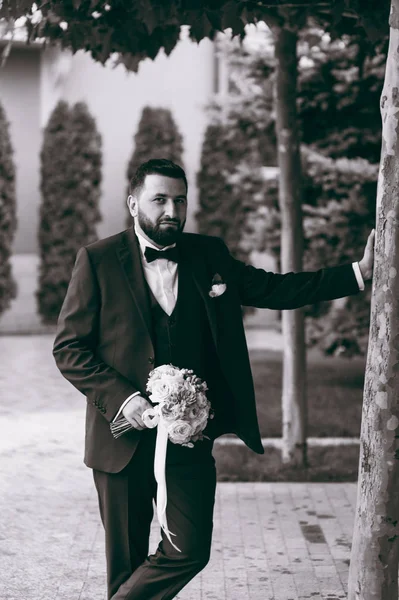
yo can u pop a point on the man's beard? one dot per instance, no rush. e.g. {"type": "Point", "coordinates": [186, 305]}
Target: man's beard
{"type": "Point", "coordinates": [161, 235]}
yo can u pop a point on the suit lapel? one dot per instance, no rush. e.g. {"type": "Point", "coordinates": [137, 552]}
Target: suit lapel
{"type": "Point", "coordinates": [129, 257]}
{"type": "Point", "coordinates": [195, 262]}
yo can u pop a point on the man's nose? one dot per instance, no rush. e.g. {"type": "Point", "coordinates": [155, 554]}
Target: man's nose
{"type": "Point", "coordinates": [170, 209]}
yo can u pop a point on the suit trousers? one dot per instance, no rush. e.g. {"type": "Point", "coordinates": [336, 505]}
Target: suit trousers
{"type": "Point", "coordinates": [126, 509]}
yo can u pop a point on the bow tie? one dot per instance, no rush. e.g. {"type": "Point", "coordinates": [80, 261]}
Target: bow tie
{"type": "Point", "coordinates": [170, 254]}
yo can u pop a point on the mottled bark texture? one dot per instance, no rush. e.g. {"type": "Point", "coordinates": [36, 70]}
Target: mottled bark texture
{"type": "Point", "coordinates": [375, 550]}
{"type": "Point", "coordinates": [294, 359]}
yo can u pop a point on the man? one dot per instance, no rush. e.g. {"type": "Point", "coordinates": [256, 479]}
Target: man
{"type": "Point", "coordinates": [140, 299]}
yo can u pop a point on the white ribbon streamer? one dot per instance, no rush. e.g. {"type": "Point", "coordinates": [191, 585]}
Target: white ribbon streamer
{"type": "Point", "coordinates": [153, 418]}
{"type": "Point", "coordinates": [159, 471]}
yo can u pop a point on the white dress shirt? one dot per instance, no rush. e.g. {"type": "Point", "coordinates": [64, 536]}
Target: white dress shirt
{"type": "Point", "coordinates": [358, 274]}
{"type": "Point", "coordinates": [162, 278]}
{"type": "Point", "coordinates": [161, 275]}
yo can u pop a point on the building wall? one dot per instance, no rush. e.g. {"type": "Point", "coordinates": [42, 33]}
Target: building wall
{"type": "Point", "coordinates": [32, 82]}
{"type": "Point", "coordinates": [20, 97]}
{"type": "Point", "coordinates": [182, 82]}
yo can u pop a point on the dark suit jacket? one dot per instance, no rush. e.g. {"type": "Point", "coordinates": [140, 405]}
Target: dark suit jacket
{"type": "Point", "coordinates": [103, 344]}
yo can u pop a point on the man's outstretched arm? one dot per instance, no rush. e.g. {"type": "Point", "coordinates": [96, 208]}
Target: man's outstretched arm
{"type": "Point", "coordinates": [264, 289]}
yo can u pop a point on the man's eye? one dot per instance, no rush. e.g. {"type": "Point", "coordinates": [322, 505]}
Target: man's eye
{"type": "Point", "coordinates": [159, 199]}
{"type": "Point", "coordinates": [181, 200]}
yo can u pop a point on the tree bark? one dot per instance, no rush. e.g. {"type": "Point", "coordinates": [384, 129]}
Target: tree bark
{"type": "Point", "coordinates": [293, 325]}
{"type": "Point", "coordinates": [374, 565]}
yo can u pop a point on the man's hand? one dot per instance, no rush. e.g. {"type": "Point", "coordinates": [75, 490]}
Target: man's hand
{"type": "Point", "coordinates": [367, 262]}
{"type": "Point", "coordinates": [134, 409]}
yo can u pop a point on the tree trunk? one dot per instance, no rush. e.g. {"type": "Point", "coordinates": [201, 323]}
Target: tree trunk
{"type": "Point", "coordinates": [293, 325]}
{"type": "Point", "coordinates": [373, 571]}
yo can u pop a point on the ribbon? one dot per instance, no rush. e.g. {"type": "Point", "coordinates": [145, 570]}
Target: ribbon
{"type": "Point", "coordinates": [152, 418]}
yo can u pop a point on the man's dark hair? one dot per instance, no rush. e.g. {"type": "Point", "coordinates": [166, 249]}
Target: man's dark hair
{"type": "Point", "coordinates": [158, 166]}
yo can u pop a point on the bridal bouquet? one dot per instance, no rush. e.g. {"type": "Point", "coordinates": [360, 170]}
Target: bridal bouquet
{"type": "Point", "coordinates": [181, 413]}
{"type": "Point", "coordinates": [181, 403]}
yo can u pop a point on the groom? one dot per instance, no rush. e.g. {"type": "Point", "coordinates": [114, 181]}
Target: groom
{"type": "Point", "coordinates": [139, 299]}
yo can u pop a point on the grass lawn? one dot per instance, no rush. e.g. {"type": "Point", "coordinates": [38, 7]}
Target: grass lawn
{"type": "Point", "coordinates": [238, 463]}
{"type": "Point", "coordinates": [335, 391]}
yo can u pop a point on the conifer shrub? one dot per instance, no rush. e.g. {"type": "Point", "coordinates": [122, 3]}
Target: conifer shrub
{"type": "Point", "coordinates": [157, 136]}
{"type": "Point", "coordinates": [8, 219]}
{"type": "Point", "coordinates": [71, 161]}
{"type": "Point", "coordinates": [213, 187]}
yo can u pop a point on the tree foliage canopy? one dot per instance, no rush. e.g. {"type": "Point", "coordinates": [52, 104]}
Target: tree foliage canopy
{"type": "Point", "coordinates": [339, 85]}
{"type": "Point", "coordinates": [138, 29]}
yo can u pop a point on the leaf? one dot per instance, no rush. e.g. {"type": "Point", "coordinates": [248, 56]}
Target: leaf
{"type": "Point", "coordinates": [231, 17]}
{"type": "Point", "coordinates": [154, 43]}
{"type": "Point", "coordinates": [246, 15]}
{"type": "Point", "coordinates": [150, 21]}
{"type": "Point", "coordinates": [200, 26]}
{"type": "Point", "coordinates": [171, 36]}
{"type": "Point", "coordinates": [215, 18]}
{"type": "Point", "coordinates": [53, 18]}
{"type": "Point", "coordinates": [130, 61]}
{"type": "Point", "coordinates": [103, 54]}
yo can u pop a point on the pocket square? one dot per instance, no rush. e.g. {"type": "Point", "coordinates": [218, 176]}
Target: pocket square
{"type": "Point", "coordinates": [218, 286]}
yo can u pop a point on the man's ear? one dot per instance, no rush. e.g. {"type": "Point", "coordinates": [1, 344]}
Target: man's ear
{"type": "Point", "coordinates": [132, 205]}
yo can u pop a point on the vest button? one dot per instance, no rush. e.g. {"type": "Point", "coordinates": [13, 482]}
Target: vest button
{"type": "Point", "coordinates": [151, 360]}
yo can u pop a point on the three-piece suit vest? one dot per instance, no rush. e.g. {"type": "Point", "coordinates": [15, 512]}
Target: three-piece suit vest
{"type": "Point", "coordinates": [184, 339]}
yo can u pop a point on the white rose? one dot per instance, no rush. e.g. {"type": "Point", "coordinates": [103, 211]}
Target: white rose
{"type": "Point", "coordinates": [161, 390]}
{"type": "Point", "coordinates": [193, 412]}
{"type": "Point", "coordinates": [159, 373]}
{"type": "Point", "coordinates": [180, 432]}
{"type": "Point", "coordinates": [176, 380]}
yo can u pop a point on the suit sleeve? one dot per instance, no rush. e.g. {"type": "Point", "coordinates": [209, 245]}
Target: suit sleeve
{"type": "Point", "coordinates": [75, 344]}
{"type": "Point", "coordinates": [264, 289]}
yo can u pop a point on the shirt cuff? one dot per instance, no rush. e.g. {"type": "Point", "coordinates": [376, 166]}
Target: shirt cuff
{"type": "Point", "coordinates": [123, 405]}
{"type": "Point", "coordinates": [358, 275]}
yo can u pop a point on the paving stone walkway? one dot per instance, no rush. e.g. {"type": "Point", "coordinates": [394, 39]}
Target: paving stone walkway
{"type": "Point", "coordinates": [272, 541]}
